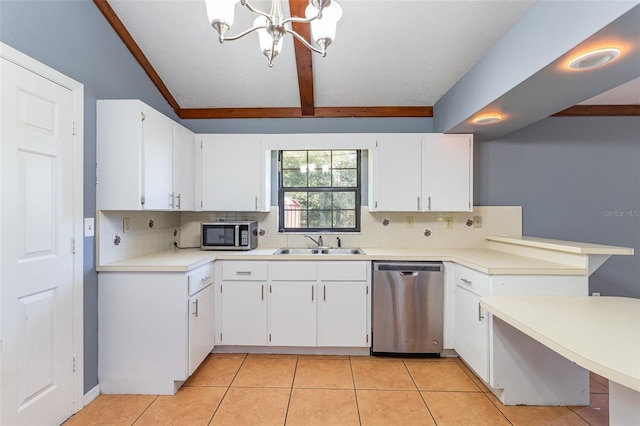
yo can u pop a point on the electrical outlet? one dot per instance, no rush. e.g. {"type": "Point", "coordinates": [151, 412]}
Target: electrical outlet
{"type": "Point", "coordinates": [477, 221]}
{"type": "Point", "coordinates": [448, 222]}
{"type": "Point", "coordinates": [126, 225]}
{"type": "Point", "coordinates": [89, 230]}
{"type": "Point", "coordinates": [409, 221]}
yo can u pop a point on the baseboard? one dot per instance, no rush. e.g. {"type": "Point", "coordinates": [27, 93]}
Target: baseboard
{"type": "Point", "coordinates": [91, 395]}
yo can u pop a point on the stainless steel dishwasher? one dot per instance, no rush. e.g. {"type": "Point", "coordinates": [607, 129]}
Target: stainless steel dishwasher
{"type": "Point", "coordinates": [408, 301]}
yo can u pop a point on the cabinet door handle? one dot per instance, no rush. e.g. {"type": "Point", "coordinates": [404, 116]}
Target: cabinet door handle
{"type": "Point", "coordinates": [262, 292]}
{"type": "Point", "coordinates": [195, 302]}
{"type": "Point", "coordinates": [312, 293]}
{"type": "Point", "coordinates": [466, 281]}
{"type": "Point", "coordinates": [171, 200]}
{"type": "Point", "coordinates": [429, 203]}
{"type": "Point", "coordinates": [480, 316]}
{"type": "Point", "coordinates": [205, 279]}
{"type": "Point", "coordinates": [324, 292]}
{"type": "Point", "coordinates": [256, 203]}
{"type": "Point", "coordinates": [179, 196]}
{"type": "Point", "coordinates": [243, 272]}
{"type": "Point", "coordinates": [418, 203]}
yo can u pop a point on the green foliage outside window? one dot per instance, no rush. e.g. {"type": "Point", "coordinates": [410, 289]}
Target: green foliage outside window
{"type": "Point", "coordinates": [319, 190]}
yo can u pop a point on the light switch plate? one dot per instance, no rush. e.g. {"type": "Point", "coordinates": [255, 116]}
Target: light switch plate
{"type": "Point", "coordinates": [89, 230]}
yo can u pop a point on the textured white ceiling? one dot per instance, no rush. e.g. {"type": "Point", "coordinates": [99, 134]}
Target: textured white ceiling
{"type": "Point", "coordinates": [386, 53]}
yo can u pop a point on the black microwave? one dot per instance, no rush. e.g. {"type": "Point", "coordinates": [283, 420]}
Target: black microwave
{"type": "Point", "coordinates": [229, 235]}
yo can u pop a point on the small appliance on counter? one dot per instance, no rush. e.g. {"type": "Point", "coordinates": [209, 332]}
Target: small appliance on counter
{"type": "Point", "coordinates": [229, 235]}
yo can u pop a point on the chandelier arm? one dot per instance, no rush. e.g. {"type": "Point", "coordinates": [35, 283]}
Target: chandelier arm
{"type": "Point", "coordinates": [299, 20]}
{"type": "Point", "coordinates": [305, 42]}
{"type": "Point", "coordinates": [244, 33]}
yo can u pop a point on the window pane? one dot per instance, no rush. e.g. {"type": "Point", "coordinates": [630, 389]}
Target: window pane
{"type": "Point", "coordinates": [293, 178]}
{"type": "Point", "coordinates": [345, 159]}
{"type": "Point", "coordinates": [318, 178]}
{"type": "Point", "coordinates": [320, 201]}
{"type": "Point", "coordinates": [344, 200]}
{"type": "Point", "coordinates": [320, 160]}
{"type": "Point", "coordinates": [320, 219]}
{"type": "Point", "coordinates": [295, 201]}
{"type": "Point", "coordinates": [345, 178]}
{"type": "Point", "coordinates": [294, 159]}
{"type": "Point", "coordinates": [344, 219]}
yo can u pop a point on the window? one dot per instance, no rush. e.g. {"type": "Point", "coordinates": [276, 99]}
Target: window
{"type": "Point", "coordinates": [319, 191]}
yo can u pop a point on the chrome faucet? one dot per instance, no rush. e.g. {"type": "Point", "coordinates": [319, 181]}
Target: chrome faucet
{"type": "Point", "coordinates": [318, 242]}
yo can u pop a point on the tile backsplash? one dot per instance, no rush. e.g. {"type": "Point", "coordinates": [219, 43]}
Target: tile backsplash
{"type": "Point", "coordinates": [378, 230]}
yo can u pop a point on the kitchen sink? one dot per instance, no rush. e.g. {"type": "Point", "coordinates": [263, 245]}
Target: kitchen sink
{"type": "Point", "coordinates": [320, 250]}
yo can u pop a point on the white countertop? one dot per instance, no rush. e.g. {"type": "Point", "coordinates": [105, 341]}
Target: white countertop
{"type": "Point", "coordinates": [601, 334]}
{"type": "Point", "coordinates": [483, 260]}
{"type": "Point", "coordinates": [559, 245]}
{"type": "Point", "coordinates": [488, 261]}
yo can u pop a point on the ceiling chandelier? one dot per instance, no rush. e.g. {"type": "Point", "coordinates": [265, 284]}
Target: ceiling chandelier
{"type": "Point", "coordinates": [322, 15]}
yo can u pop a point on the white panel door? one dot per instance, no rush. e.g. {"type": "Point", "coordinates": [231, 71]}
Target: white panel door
{"type": "Point", "coordinates": [342, 314]}
{"type": "Point", "coordinates": [201, 326]}
{"type": "Point", "coordinates": [157, 146]}
{"type": "Point", "coordinates": [292, 313]}
{"type": "Point", "coordinates": [232, 173]}
{"type": "Point", "coordinates": [184, 155]}
{"type": "Point", "coordinates": [471, 332]}
{"type": "Point", "coordinates": [37, 265]}
{"type": "Point", "coordinates": [446, 173]}
{"type": "Point", "coordinates": [244, 313]}
{"type": "Point", "coordinates": [395, 173]}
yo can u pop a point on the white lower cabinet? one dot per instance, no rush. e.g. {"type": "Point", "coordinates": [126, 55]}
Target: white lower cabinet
{"type": "Point", "coordinates": [475, 339]}
{"type": "Point", "coordinates": [306, 304]}
{"type": "Point", "coordinates": [154, 329]}
{"type": "Point", "coordinates": [243, 303]}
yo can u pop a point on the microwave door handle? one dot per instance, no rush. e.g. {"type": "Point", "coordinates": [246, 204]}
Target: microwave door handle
{"type": "Point", "coordinates": [237, 236]}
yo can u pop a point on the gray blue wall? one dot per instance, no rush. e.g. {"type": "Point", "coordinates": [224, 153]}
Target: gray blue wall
{"type": "Point", "coordinates": [577, 179]}
{"type": "Point", "coordinates": [567, 173]}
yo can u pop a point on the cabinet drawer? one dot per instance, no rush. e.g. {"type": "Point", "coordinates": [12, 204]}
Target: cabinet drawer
{"type": "Point", "coordinates": [199, 278]}
{"type": "Point", "coordinates": [293, 271]}
{"type": "Point", "coordinates": [474, 281]}
{"type": "Point", "coordinates": [343, 271]}
{"type": "Point", "coordinates": [244, 271]}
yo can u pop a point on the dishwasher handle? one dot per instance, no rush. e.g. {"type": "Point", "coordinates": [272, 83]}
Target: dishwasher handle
{"type": "Point", "coordinates": [408, 268]}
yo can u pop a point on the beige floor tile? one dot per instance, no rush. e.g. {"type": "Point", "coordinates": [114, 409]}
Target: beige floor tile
{"type": "Point", "coordinates": [376, 374]}
{"type": "Point", "coordinates": [323, 373]}
{"type": "Point", "coordinates": [521, 415]}
{"type": "Point", "coordinates": [396, 408]}
{"type": "Point", "coordinates": [463, 408]}
{"type": "Point", "coordinates": [266, 372]}
{"type": "Point", "coordinates": [597, 414]}
{"type": "Point", "coordinates": [216, 370]}
{"type": "Point", "coordinates": [112, 410]}
{"type": "Point", "coordinates": [252, 406]}
{"type": "Point", "coordinates": [189, 406]}
{"type": "Point", "coordinates": [333, 407]}
{"type": "Point", "coordinates": [472, 375]}
{"type": "Point", "coordinates": [441, 376]}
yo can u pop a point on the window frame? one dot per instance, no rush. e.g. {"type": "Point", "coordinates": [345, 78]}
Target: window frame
{"type": "Point", "coordinates": [357, 190]}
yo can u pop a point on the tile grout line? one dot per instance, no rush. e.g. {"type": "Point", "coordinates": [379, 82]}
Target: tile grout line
{"type": "Point", "coordinates": [355, 391]}
{"type": "Point", "coordinates": [419, 392]}
{"type": "Point", "coordinates": [145, 410]}
{"type": "Point", "coordinates": [227, 390]}
{"type": "Point", "coordinates": [293, 380]}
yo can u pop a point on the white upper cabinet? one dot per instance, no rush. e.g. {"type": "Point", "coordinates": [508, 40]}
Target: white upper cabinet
{"type": "Point", "coordinates": [447, 171]}
{"type": "Point", "coordinates": [135, 158]}
{"type": "Point", "coordinates": [421, 173]}
{"type": "Point", "coordinates": [235, 173]}
{"type": "Point", "coordinates": [395, 173]}
{"type": "Point", "coordinates": [184, 157]}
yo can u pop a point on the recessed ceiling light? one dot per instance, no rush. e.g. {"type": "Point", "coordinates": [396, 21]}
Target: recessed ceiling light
{"type": "Point", "coordinates": [594, 58]}
{"type": "Point", "coordinates": [487, 119]}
